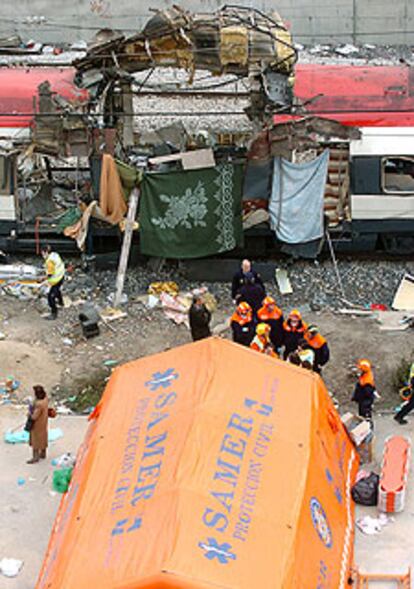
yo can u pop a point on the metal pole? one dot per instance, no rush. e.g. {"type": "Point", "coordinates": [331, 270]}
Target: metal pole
{"type": "Point", "coordinates": [354, 21]}
{"type": "Point", "coordinates": [335, 263]}
{"type": "Point", "coordinates": [126, 246]}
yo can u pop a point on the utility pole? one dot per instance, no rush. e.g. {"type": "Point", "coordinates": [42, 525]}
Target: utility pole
{"type": "Point", "coordinates": [354, 21]}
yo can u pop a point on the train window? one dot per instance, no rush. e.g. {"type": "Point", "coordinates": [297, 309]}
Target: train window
{"type": "Point", "coordinates": [398, 175]}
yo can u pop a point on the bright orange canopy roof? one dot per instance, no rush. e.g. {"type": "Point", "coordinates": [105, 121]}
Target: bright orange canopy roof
{"type": "Point", "coordinates": [208, 466]}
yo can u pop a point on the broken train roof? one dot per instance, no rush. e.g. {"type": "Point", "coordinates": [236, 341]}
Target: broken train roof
{"type": "Point", "coordinates": [235, 39]}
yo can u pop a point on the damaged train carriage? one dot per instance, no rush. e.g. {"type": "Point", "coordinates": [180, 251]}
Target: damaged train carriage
{"type": "Point", "coordinates": [304, 175]}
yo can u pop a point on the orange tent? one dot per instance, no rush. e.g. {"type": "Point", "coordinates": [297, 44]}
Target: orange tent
{"type": "Point", "coordinates": [209, 465]}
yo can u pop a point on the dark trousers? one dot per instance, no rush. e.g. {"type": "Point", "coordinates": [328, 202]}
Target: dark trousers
{"type": "Point", "coordinates": [365, 410]}
{"type": "Point", "coordinates": [406, 409]}
{"type": "Point", "coordinates": [54, 295]}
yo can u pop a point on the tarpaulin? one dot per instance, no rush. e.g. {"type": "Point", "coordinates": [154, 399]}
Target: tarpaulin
{"type": "Point", "coordinates": [191, 214]}
{"type": "Point", "coordinates": [130, 177]}
{"type": "Point", "coordinates": [208, 465]}
{"type": "Point", "coordinates": [111, 195]}
{"type": "Point", "coordinates": [296, 204]}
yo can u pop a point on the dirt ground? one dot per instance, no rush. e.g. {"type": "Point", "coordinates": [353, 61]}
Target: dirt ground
{"type": "Point", "coordinates": [55, 354]}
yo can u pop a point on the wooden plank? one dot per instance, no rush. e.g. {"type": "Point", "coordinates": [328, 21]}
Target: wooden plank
{"type": "Point", "coordinates": [126, 246]}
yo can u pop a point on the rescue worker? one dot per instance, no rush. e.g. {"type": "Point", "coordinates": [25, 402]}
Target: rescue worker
{"type": "Point", "coordinates": [293, 331]}
{"type": "Point", "coordinates": [239, 279]}
{"type": "Point", "coordinates": [365, 393]}
{"type": "Point", "coordinates": [306, 354]}
{"type": "Point", "coordinates": [243, 325]}
{"type": "Point", "coordinates": [199, 317]}
{"type": "Point", "coordinates": [407, 394]}
{"type": "Point", "coordinates": [319, 345]}
{"type": "Point", "coordinates": [261, 342]}
{"type": "Point", "coordinates": [55, 275]}
{"type": "Point", "coordinates": [251, 293]}
{"type": "Point", "coordinates": [270, 313]}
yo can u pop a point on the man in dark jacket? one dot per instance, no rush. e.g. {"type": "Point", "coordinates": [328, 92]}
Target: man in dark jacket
{"type": "Point", "coordinates": [199, 317]}
{"type": "Point", "coordinates": [319, 345]}
{"type": "Point", "coordinates": [293, 331]}
{"type": "Point", "coordinates": [365, 392]}
{"type": "Point", "coordinates": [243, 325]}
{"type": "Point", "coordinates": [239, 279]}
{"type": "Point", "coordinates": [252, 293]}
{"type": "Point", "coordinates": [271, 314]}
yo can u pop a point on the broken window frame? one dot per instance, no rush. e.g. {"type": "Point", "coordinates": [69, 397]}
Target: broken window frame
{"type": "Point", "coordinates": [395, 192]}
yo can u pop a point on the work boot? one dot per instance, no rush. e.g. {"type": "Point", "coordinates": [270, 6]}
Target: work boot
{"type": "Point", "coordinates": [400, 420]}
{"type": "Point", "coordinates": [35, 457]}
{"type": "Point", "coordinates": [42, 454]}
{"type": "Point", "coordinates": [51, 317]}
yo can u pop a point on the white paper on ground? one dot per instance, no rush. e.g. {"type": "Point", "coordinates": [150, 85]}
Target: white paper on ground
{"type": "Point", "coordinates": [10, 567]}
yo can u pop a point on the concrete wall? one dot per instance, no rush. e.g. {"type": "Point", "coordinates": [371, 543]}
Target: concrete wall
{"type": "Point", "coordinates": [312, 21]}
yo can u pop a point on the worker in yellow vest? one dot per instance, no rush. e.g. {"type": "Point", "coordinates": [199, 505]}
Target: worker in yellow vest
{"type": "Point", "coordinates": [55, 275]}
{"type": "Point", "coordinates": [262, 343]}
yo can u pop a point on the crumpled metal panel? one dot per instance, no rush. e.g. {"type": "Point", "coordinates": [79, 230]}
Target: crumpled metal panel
{"type": "Point", "coordinates": [234, 40]}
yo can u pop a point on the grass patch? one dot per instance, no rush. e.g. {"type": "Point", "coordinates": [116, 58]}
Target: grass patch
{"type": "Point", "coordinates": [401, 372]}
{"type": "Point", "coordinates": [87, 392]}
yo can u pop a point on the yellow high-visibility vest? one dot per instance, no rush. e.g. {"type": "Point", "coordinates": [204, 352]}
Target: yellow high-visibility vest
{"type": "Point", "coordinates": [55, 268]}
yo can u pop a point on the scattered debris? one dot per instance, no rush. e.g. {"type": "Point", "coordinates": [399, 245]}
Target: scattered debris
{"type": "Point", "coordinates": [175, 308]}
{"type": "Point", "coordinates": [110, 363]}
{"type": "Point", "coordinates": [190, 160]}
{"type": "Point", "coordinates": [89, 319]}
{"type": "Point", "coordinates": [221, 328]}
{"type": "Point", "coordinates": [394, 320]}
{"type": "Point", "coordinates": [157, 288]}
{"type": "Point", "coordinates": [373, 525]}
{"type": "Point", "coordinates": [64, 461]}
{"type": "Point", "coordinates": [63, 410]}
{"type": "Point", "coordinates": [356, 312]}
{"type": "Point", "coordinates": [22, 437]}
{"type": "Point", "coordinates": [110, 314]}
{"type": "Point", "coordinates": [61, 479]}
{"type": "Point", "coordinates": [404, 297]}
{"type": "Point", "coordinates": [19, 272]}
{"type": "Point", "coordinates": [10, 567]}
{"type": "Point", "coordinates": [346, 49]}
{"type": "Point", "coordinates": [283, 281]}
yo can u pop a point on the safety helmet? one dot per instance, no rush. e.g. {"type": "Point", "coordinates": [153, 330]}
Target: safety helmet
{"type": "Point", "coordinates": [364, 365]}
{"type": "Point", "coordinates": [312, 329]}
{"type": "Point", "coordinates": [263, 329]}
{"type": "Point", "coordinates": [295, 314]}
{"type": "Point", "coordinates": [269, 301]}
{"type": "Point", "coordinates": [244, 309]}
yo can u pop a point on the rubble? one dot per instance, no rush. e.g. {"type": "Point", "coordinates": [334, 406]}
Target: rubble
{"type": "Point", "coordinates": [366, 282]}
